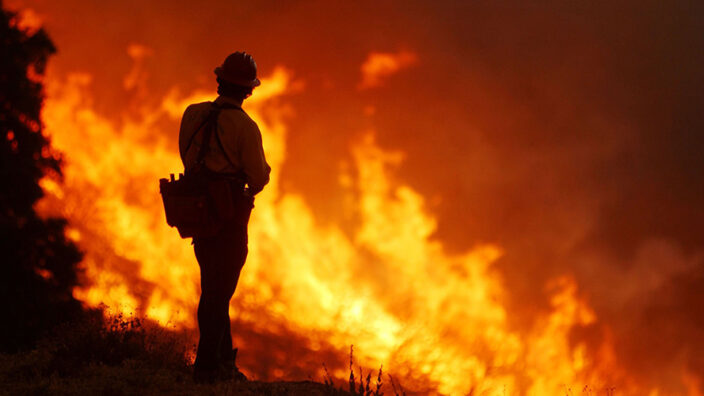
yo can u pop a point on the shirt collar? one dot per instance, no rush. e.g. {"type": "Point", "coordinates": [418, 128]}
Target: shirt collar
{"type": "Point", "coordinates": [224, 99]}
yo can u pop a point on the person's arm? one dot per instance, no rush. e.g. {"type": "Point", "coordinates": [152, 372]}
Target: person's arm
{"type": "Point", "coordinates": [184, 134]}
{"type": "Point", "coordinates": [253, 160]}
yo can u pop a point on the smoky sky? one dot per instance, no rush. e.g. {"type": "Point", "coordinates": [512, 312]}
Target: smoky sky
{"type": "Point", "coordinates": [568, 133]}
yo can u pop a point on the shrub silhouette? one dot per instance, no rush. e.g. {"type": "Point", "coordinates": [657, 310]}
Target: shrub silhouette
{"type": "Point", "coordinates": [37, 262]}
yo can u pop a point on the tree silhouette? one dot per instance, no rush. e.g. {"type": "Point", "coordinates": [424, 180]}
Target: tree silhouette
{"type": "Point", "coordinates": [37, 262]}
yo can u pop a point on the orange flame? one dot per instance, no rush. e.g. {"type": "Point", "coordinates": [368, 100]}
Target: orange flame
{"type": "Point", "coordinates": [380, 65]}
{"type": "Point", "coordinates": [436, 319]}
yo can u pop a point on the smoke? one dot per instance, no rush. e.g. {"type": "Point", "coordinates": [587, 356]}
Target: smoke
{"type": "Point", "coordinates": [569, 133]}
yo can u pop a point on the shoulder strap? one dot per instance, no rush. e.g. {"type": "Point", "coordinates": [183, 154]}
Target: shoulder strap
{"type": "Point", "coordinates": [222, 148]}
{"type": "Point", "coordinates": [210, 124]}
{"type": "Point", "coordinates": [205, 145]}
{"type": "Point", "coordinates": [202, 124]}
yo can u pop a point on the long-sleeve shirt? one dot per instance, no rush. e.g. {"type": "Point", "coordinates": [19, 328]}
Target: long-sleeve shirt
{"type": "Point", "coordinates": [240, 139]}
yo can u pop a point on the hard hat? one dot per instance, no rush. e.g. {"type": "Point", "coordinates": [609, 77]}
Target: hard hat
{"type": "Point", "coordinates": [239, 68]}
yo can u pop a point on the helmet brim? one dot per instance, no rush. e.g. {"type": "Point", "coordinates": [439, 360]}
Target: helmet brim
{"type": "Point", "coordinates": [220, 72]}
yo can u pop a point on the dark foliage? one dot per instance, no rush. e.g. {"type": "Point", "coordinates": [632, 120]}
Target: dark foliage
{"type": "Point", "coordinates": [94, 340]}
{"type": "Point", "coordinates": [93, 355]}
{"type": "Point", "coordinates": [124, 356]}
{"type": "Point", "coordinates": [365, 387]}
{"type": "Point", "coordinates": [38, 265]}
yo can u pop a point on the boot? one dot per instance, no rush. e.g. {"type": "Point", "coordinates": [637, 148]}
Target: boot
{"type": "Point", "coordinates": [205, 376]}
{"type": "Point", "coordinates": [230, 370]}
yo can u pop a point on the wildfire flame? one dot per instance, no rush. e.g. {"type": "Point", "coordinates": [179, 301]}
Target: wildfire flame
{"type": "Point", "coordinates": [379, 65]}
{"type": "Point", "coordinates": [437, 320]}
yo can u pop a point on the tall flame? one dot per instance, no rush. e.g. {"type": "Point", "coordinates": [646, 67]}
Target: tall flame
{"type": "Point", "coordinates": [437, 320]}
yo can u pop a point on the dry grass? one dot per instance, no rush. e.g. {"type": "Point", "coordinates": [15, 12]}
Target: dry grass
{"type": "Point", "coordinates": [130, 356]}
{"type": "Point", "coordinates": [365, 386]}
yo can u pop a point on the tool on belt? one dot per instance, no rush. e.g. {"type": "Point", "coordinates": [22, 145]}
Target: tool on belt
{"type": "Point", "coordinates": [201, 202]}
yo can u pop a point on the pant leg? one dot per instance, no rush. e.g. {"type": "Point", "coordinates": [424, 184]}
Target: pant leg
{"type": "Point", "coordinates": [225, 350]}
{"type": "Point", "coordinates": [220, 259]}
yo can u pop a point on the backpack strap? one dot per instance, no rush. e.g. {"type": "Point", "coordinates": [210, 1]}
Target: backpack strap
{"type": "Point", "coordinates": [190, 141]}
{"type": "Point", "coordinates": [210, 124]}
{"type": "Point", "coordinates": [205, 145]}
{"type": "Point", "coordinates": [222, 148]}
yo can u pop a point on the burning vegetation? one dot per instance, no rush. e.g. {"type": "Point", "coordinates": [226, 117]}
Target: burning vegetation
{"type": "Point", "coordinates": [435, 318]}
{"type": "Point", "coordinates": [442, 319]}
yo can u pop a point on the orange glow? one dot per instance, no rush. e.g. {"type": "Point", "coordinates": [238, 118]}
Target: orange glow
{"type": "Point", "coordinates": [29, 20]}
{"type": "Point", "coordinates": [487, 199]}
{"type": "Point", "coordinates": [693, 384]}
{"type": "Point", "coordinates": [379, 65]}
{"type": "Point", "coordinates": [437, 319]}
